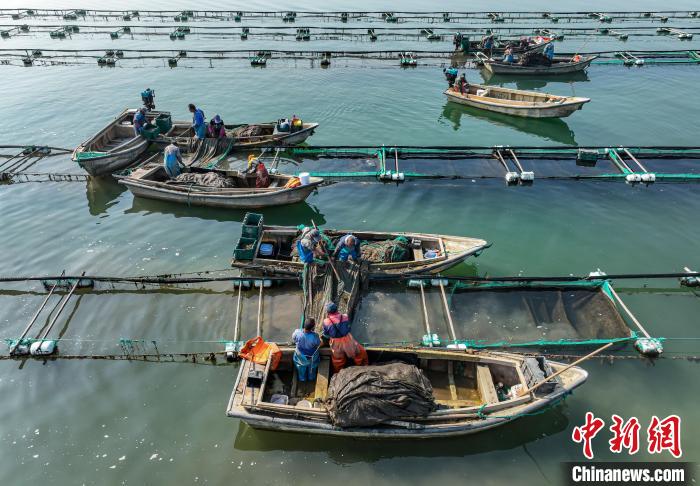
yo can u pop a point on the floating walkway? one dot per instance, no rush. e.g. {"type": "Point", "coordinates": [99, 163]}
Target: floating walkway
{"type": "Point", "coordinates": [426, 58]}
{"type": "Point", "coordinates": [347, 16]}
{"type": "Point", "coordinates": [580, 311]}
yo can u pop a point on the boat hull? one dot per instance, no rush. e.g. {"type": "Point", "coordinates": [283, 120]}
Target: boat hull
{"type": "Point", "coordinates": [279, 424]}
{"type": "Point", "coordinates": [458, 248]}
{"type": "Point", "coordinates": [278, 139]}
{"type": "Point", "coordinates": [534, 110]}
{"type": "Point", "coordinates": [110, 163]}
{"type": "Point", "coordinates": [459, 421]}
{"type": "Point", "coordinates": [228, 201]}
{"type": "Point", "coordinates": [554, 69]}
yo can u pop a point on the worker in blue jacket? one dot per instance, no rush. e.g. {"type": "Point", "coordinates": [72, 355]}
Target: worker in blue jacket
{"type": "Point", "coordinates": [198, 122]}
{"type": "Point", "coordinates": [549, 51]}
{"type": "Point", "coordinates": [306, 354]}
{"type": "Point", "coordinates": [348, 247]}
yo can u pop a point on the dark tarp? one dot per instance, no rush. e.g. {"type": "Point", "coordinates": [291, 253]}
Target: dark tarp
{"type": "Point", "coordinates": [362, 396]}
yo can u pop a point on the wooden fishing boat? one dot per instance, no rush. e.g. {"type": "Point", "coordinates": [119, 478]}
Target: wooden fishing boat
{"type": "Point", "coordinates": [151, 181]}
{"type": "Point", "coordinates": [559, 66]}
{"type": "Point", "coordinates": [264, 134]}
{"type": "Point", "coordinates": [427, 253]}
{"type": "Point", "coordinates": [115, 147]}
{"type": "Point", "coordinates": [464, 387]}
{"type": "Point", "coordinates": [500, 46]}
{"type": "Point", "coordinates": [531, 104]}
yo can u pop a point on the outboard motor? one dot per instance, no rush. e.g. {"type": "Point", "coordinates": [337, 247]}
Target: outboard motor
{"type": "Point", "coordinates": [148, 97]}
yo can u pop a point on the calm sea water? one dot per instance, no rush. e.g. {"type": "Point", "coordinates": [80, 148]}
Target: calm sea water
{"type": "Point", "coordinates": [80, 422]}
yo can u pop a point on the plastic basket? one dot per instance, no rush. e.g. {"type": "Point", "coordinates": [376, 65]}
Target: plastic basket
{"type": "Point", "coordinates": [164, 123]}
{"type": "Point", "coordinates": [150, 132]}
{"type": "Point", "coordinates": [252, 224]}
{"type": "Point", "coordinates": [245, 248]}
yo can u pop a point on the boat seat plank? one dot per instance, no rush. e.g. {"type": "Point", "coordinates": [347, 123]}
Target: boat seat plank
{"type": "Point", "coordinates": [487, 389]}
{"type": "Point", "coordinates": [451, 379]}
{"type": "Point", "coordinates": [321, 391]}
{"type": "Point", "coordinates": [417, 254]}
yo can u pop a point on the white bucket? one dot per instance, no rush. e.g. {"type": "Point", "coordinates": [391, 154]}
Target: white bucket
{"type": "Point", "coordinates": [305, 178]}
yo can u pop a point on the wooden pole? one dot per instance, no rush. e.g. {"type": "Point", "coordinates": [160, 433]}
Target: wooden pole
{"type": "Point", "coordinates": [60, 309]}
{"type": "Point", "coordinates": [36, 315]}
{"type": "Point", "coordinates": [634, 319]}
{"type": "Point", "coordinates": [236, 328]}
{"type": "Point", "coordinates": [580, 360]}
{"type": "Point", "coordinates": [260, 301]}
{"type": "Point", "coordinates": [425, 313]}
{"type": "Point", "coordinates": [447, 312]}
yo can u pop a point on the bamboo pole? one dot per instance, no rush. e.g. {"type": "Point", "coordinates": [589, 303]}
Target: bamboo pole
{"type": "Point", "coordinates": [60, 309]}
{"type": "Point", "coordinates": [36, 315]}
{"type": "Point", "coordinates": [425, 313]}
{"type": "Point", "coordinates": [236, 326]}
{"type": "Point", "coordinates": [260, 301]}
{"type": "Point", "coordinates": [566, 368]}
{"type": "Point", "coordinates": [447, 312]}
{"type": "Point", "coordinates": [629, 313]}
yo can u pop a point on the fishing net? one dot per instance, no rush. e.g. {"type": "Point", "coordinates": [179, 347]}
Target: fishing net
{"type": "Point", "coordinates": [387, 251]}
{"type": "Point", "coordinates": [362, 396]}
{"type": "Point", "coordinates": [210, 179]}
{"type": "Point", "coordinates": [248, 131]}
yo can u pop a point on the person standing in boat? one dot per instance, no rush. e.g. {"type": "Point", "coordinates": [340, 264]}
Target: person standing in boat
{"type": "Point", "coordinates": [508, 55]}
{"type": "Point", "coordinates": [172, 160]}
{"type": "Point", "coordinates": [549, 52]}
{"type": "Point", "coordinates": [139, 121]}
{"type": "Point", "coordinates": [348, 247]}
{"type": "Point", "coordinates": [462, 85]}
{"type": "Point", "coordinates": [216, 128]}
{"type": "Point", "coordinates": [336, 329]}
{"type": "Point", "coordinates": [198, 121]}
{"type": "Point", "coordinates": [308, 245]}
{"type": "Point", "coordinates": [306, 354]}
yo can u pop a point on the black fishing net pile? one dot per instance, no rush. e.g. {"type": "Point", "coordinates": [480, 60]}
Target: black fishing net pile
{"type": "Point", "coordinates": [210, 179]}
{"type": "Point", "coordinates": [362, 396]}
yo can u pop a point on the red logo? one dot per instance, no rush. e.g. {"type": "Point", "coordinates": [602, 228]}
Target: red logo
{"type": "Point", "coordinates": [662, 435]}
{"type": "Point", "coordinates": [665, 435]}
{"type": "Point", "coordinates": [586, 432]}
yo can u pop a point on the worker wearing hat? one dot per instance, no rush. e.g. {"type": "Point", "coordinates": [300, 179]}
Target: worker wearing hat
{"type": "Point", "coordinates": [306, 354]}
{"type": "Point", "coordinates": [336, 328]}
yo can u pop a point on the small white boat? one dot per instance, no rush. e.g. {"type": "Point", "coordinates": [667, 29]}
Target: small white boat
{"type": "Point", "coordinates": [115, 147]}
{"type": "Point", "coordinates": [151, 181]}
{"type": "Point", "coordinates": [530, 104]}
{"type": "Point", "coordinates": [464, 388]}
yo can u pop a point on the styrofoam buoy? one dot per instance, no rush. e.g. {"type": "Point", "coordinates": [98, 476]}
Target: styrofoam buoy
{"type": "Point", "coordinates": [527, 176]}
{"type": "Point", "coordinates": [414, 283]}
{"type": "Point", "coordinates": [431, 339]}
{"type": "Point", "coordinates": [457, 346]}
{"type": "Point", "coordinates": [265, 283]}
{"type": "Point", "coordinates": [650, 347]}
{"type": "Point", "coordinates": [246, 284]}
{"type": "Point", "coordinates": [511, 177]}
{"type": "Point", "coordinates": [632, 178]}
{"type": "Point", "coordinates": [231, 351]}
{"type": "Point", "coordinates": [436, 282]}
{"type": "Point", "coordinates": [43, 347]}
{"type": "Point", "coordinates": [648, 177]}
